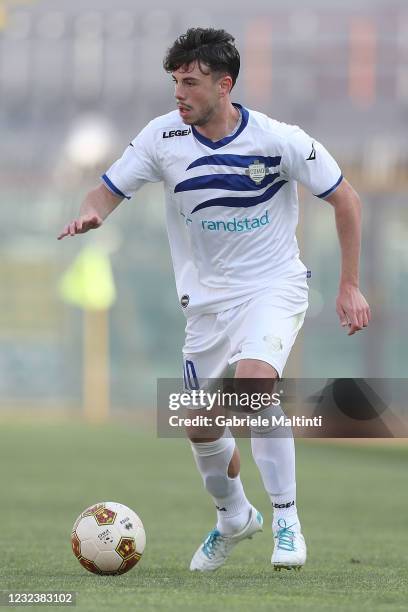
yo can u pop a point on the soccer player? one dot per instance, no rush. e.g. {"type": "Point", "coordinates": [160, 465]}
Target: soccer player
{"type": "Point", "coordinates": [230, 177]}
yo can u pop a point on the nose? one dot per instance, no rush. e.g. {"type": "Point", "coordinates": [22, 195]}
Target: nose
{"type": "Point", "coordinates": [178, 94]}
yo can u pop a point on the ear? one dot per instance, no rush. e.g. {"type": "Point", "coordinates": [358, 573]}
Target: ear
{"type": "Point", "coordinates": [225, 85]}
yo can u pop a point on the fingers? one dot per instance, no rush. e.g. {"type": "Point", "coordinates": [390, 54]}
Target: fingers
{"type": "Point", "coordinates": [367, 316]}
{"type": "Point", "coordinates": [80, 226]}
{"type": "Point", "coordinates": [70, 230]}
{"type": "Point", "coordinates": [64, 233]}
{"type": "Point", "coordinates": [95, 221]}
{"type": "Point", "coordinates": [352, 309]}
{"type": "Point", "coordinates": [342, 315]}
{"type": "Point", "coordinates": [354, 321]}
{"type": "Point", "coordinates": [61, 235]}
{"type": "Point", "coordinates": [363, 316]}
{"type": "Point", "coordinates": [359, 320]}
{"type": "Point", "coordinates": [353, 329]}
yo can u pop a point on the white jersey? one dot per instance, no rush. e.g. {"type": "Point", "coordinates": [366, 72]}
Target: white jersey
{"type": "Point", "coordinates": [231, 205]}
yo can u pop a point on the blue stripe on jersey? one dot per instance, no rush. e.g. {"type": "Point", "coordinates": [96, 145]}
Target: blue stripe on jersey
{"type": "Point", "coordinates": [232, 182]}
{"type": "Point", "coordinates": [113, 187]}
{"type": "Point", "coordinates": [224, 141]}
{"type": "Point", "coordinates": [328, 192]}
{"type": "Point", "coordinates": [238, 161]}
{"type": "Point", "coordinates": [242, 202]}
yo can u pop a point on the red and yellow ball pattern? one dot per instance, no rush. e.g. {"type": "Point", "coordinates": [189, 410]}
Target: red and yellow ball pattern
{"type": "Point", "coordinates": [108, 538]}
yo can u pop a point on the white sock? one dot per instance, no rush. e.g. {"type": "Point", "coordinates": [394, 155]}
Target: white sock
{"type": "Point", "coordinates": [212, 459]}
{"type": "Point", "coordinates": [273, 449]}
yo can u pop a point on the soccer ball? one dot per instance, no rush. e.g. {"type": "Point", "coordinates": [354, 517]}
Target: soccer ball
{"type": "Point", "coordinates": [108, 538]}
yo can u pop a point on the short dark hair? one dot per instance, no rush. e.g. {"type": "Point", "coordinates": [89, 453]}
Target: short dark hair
{"type": "Point", "coordinates": [213, 48]}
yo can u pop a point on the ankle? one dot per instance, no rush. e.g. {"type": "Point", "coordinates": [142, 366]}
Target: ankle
{"type": "Point", "coordinates": [228, 525]}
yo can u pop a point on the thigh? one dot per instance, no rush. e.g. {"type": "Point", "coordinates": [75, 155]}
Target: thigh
{"type": "Point", "coordinates": [265, 332]}
{"type": "Point", "coordinates": [206, 351]}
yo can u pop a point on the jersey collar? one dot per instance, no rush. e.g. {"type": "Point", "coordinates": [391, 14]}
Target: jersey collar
{"type": "Point", "coordinates": [224, 141]}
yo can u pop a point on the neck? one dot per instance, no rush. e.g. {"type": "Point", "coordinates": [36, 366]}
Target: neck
{"type": "Point", "coordinates": [221, 124]}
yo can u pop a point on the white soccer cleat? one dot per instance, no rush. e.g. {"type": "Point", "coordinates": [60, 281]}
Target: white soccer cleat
{"type": "Point", "coordinates": [290, 547]}
{"type": "Point", "coordinates": [216, 548]}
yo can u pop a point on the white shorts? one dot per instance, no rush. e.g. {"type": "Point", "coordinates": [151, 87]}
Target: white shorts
{"type": "Point", "coordinates": [260, 328]}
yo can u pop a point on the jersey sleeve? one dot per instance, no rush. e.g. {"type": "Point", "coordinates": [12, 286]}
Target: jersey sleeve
{"type": "Point", "coordinates": [307, 161]}
{"type": "Point", "coordinates": [138, 165]}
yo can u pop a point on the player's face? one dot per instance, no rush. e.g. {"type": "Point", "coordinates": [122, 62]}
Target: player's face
{"type": "Point", "coordinates": [198, 94]}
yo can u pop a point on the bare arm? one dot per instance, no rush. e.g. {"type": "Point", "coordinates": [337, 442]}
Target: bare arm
{"type": "Point", "coordinates": [97, 205]}
{"type": "Point", "coordinates": [351, 305]}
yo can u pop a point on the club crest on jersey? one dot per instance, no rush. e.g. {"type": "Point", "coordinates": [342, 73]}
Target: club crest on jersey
{"type": "Point", "coordinates": [257, 171]}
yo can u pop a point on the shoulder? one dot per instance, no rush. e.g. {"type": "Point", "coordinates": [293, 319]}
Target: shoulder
{"type": "Point", "coordinates": [284, 132]}
{"type": "Point", "coordinates": [170, 121]}
{"type": "Point", "coordinates": [158, 129]}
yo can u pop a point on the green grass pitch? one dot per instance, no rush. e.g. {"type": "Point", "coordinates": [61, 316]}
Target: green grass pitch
{"type": "Point", "coordinates": [353, 505]}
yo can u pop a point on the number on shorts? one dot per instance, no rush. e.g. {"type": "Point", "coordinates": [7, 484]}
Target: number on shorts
{"type": "Point", "coordinates": [190, 376]}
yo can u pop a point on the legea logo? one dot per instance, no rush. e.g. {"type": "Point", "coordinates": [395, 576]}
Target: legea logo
{"type": "Point", "coordinates": [236, 225]}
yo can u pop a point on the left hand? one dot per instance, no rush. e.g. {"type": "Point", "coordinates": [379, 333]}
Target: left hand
{"type": "Point", "coordinates": [352, 308]}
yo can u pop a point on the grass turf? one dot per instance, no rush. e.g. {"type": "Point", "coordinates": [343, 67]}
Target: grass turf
{"type": "Point", "coordinates": [352, 504]}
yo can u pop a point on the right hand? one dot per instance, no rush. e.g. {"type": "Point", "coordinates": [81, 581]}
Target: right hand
{"type": "Point", "coordinates": [81, 225]}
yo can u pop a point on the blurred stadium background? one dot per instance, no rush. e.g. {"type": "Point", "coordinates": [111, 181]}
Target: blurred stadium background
{"type": "Point", "coordinates": [78, 80]}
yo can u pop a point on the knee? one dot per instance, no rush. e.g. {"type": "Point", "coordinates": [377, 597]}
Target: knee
{"type": "Point", "coordinates": [200, 438]}
{"type": "Point", "coordinates": [203, 435]}
{"type": "Point", "coordinates": [201, 431]}
{"type": "Point", "coordinates": [255, 368]}
{"type": "Point", "coordinates": [270, 422]}
{"type": "Point", "coordinates": [254, 378]}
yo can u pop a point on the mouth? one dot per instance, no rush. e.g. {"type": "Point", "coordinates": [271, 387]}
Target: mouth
{"type": "Point", "coordinates": [183, 110]}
